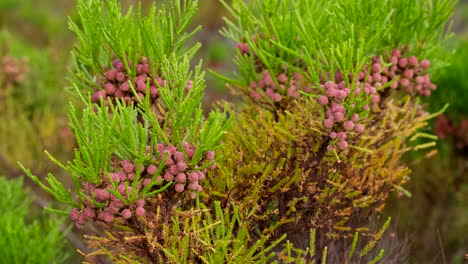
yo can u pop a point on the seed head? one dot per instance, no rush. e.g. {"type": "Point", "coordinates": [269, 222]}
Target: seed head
{"type": "Point", "coordinates": [328, 123]}
{"type": "Point", "coordinates": [210, 155]}
{"type": "Point", "coordinates": [323, 100]}
{"type": "Point", "coordinates": [126, 213]}
{"type": "Point", "coordinates": [181, 178]}
{"type": "Point", "coordinates": [74, 213]}
{"type": "Point", "coordinates": [140, 211]}
{"type": "Point", "coordinates": [152, 169]}
{"type": "Point", "coordinates": [179, 187]}
{"type": "Point", "coordinates": [359, 128]}
{"type": "Point", "coordinates": [193, 176]}
{"type": "Point", "coordinates": [348, 125]}
{"type": "Point", "coordinates": [89, 213]}
{"type": "Point", "coordinates": [333, 135]}
{"type": "Point", "coordinates": [341, 135]}
{"type": "Point", "coordinates": [343, 144]}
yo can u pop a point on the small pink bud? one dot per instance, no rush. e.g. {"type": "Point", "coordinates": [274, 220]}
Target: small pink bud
{"type": "Point", "coordinates": [282, 78]}
{"type": "Point", "coordinates": [179, 187]}
{"type": "Point", "coordinates": [340, 95]}
{"type": "Point", "coordinates": [348, 125]}
{"type": "Point", "coordinates": [255, 95]}
{"type": "Point", "coordinates": [365, 107]}
{"type": "Point", "coordinates": [341, 135]}
{"type": "Point", "coordinates": [323, 100]}
{"type": "Point", "coordinates": [375, 99]}
{"type": "Point", "coordinates": [131, 177]}
{"type": "Point", "coordinates": [140, 203]}
{"type": "Point", "coordinates": [404, 82]}
{"type": "Point", "coordinates": [413, 61]}
{"type": "Point", "coordinates": [403, 62]}
{"type": "Point", "coordinates": [169, 176]}
{"type": "Point", "coordinates": [355, 118]}
{"type": "Point", "coordinates": [330, 148]}
{"type": "Point", "coordinates": [408, 73]}
{"type": "Point", "coordinates": [193, 186]}
{"type": "Point", "coordinates": [111, 74]}
{"type": "Point", "coordinates": [343, 144]}
{"type": "Point", "coordinates": [147, 181]}
{"type": "Point", "coordinates": [339, 116]}
{"type": "Point", "coordinates": [96, 97]}
{"type": "Point", "coordinates": [201, 176]}
{"type": "Point", "coordinates": [193, 195]}
{"type": "Point", "coordinates": [328, 123]}
{"type": "Point", "coordinates": [124, 87]}
{"type": "Point", "coordinates": [126, 213]}
{"type": "Point", "coordinates": [152, 169]}
{"type": "Point", "coordinates": [140, 211]}
{"type": "Point", "coordinates": [332, 92]}
{"type": "Point", "coordinates": [121, 188]}
{"type": "Point", "coordinates": [74, 213]}
{"type": "Point", "coordinates": [333, 135]}
{"type": "Point", "coordinates": [253, 84]}
{"type": "Point", "coordinates": [179, 156]}
{"type": "Point", "coordinates": [181, 178]}
{"type": "Point", "coordinates": [276, 97]}
{"type": "Point", "coordinates": [210, 155]}
{"type": "Point", "coordinates": [359, 128]}
{"type": "Point", "coordinates": [376, 67]}
{"type": "Point", "coordinates": [425, 64]}
{"type": "Point", "coordinates": [181, 166]}
{"type": "Point", "coordinates": [213, 166]}
{"type": "Point", "coordinates": [120, 76]}
{"type": "Point", "coordinates": [89, 213]}
{"type": "Point", "coordinates": [396, 53]}
{"type": "Point", "coordinates": [193, 176]}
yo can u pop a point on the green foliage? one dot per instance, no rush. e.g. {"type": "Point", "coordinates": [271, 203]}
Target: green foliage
{"type": "Point", "coordinates": [453, 83]}
{"type": "Point", "coordinates": [334, 35]}
{"type": "Point", "coordinates": [105, 33]}
{"type": "Point", "coordinates": [24, 240]}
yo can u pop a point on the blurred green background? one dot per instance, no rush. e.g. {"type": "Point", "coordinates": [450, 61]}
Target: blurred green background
{"type": "Point", "coordinates": [35, 46]}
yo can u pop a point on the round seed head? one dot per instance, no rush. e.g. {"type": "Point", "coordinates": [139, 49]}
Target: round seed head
{"type": "Point", "coordinates": [348, 125]}
{"type": "Point", "coordinates": [152, 169]}
{"type": "Point", "coordinates": [140, 211]}
{"type": "Point", "coordinates": [359, 128]}
{"type": "Point", "coordinates": [343, 144]}
{"type": "Point", "coordinates": [179, 187]}
{"type": "Point", "coordinates": [126, 213]}
{"type": "Point", "coordinates": [74, 213]}
{"type": "Point", "coordinates": [181, 177]}
{"type": "Point", "coordinates": [425, 64]}
{"type": "Point", "coordinates": [323, 100]}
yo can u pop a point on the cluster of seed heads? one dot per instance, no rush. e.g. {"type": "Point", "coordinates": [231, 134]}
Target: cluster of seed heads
{"type": "Point", "coordinates": [175, 169]}
{"type": "Point", "coordinates": [110, 206]}
{"type": "Point", "coordinates": [13, 70]}
{"type": "Point", "coordinates": [337, 119]}
{"type": "Point", "coordinates": [445, 128]}
{"type": "Point", "coordinates": [276, 91]}
{"type": "Point", "coordinates": [404, 73]}
{"type": "Point", "coordinates": [116, 83]}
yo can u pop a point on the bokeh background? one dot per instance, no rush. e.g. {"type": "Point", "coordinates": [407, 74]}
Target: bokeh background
{"type": "Point", "coordinates": [35, 44]}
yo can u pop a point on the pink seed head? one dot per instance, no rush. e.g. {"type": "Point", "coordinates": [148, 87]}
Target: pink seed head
{"type": "Point", "coordinates": [355, 118]}
{"type": "Point", "coordinates": [333, 135]}
{"type": "Point", "coordinates": [193, 195]}
{"type": "Point", "coordinates": [96, 97]}
{"type": "Point", "coordinates": [140, 203]}
{"type": "Point", "coordinates": [179, 187]}
{"type": "Point", "coordinates": [181, 178]}
{"type": "Point", "coordinates": [106, 217]}
{"type": "Point", "coordinates": [396, 53]}
{"type": "Point", "coordinates": [255, 95]}
{"type": "Point", "coordinates": [409, 73]}
{"type": "Point", "coordinates": [213, 166]}
{"type": "Point", "coordinates": [348, 125]}
{"type": "Point", "coordinates": [121, 188]}
{"type": "Point", "coordinates": [124, 87]}
{"type": "Point", "coordinates": [131, 177]}
{"type": "Point", "coordinates": [413, 61]}
{"type": "Point", "coordinates": [110, 88]}
{"type": "Point", "coordinates": [339, 116]}
{"type": "Point", "coordinates": [253, 84]}
{"type": "Point", "coordinates": [276, 97]}
{"type": "Point", "coordinates": [328, 123]}
{"type": "Point", "coordinates": [375, 99]}
{"type": "Point", "coordinates": [282, 78]}
{"type": "Point", "coordinates": [323, 100]}
{"type": "Point", "coordinates": [146, 182]}
{"type": "Point", "coordinates": [181, 166]}
{"type": "Point", "coordinates": [365, 107]}
{"type": "Point", "coordinates": [340, 95]}
{"type": "Point", "coordinates": [179, 156]}
{"type": "Point", "coordinates": [343, 144]}
{"type": "Point", "coordinates": [152, 169]}
{"type": "Point", "coordinates": [341, 135]}
{"type": "Point", "coordinates": [140, 211]}
{"type": "Point", "coordinates": [111, 74]}
{"type": "Point", "coordinates": [193, 176]}
{"type": "Point", "coordinates": [89, 213]}
{"type": "Point", "coordinates": [201, 176]}
{"type": "Point", "coordinates": [74, 213]}
{"type": "Point", "coordinates": [126, 213]}
{"type": "Point", "coordinates": [425, 64]}
{"type": "Point", "coordinates": [403, 62]}
{"type": "Point", "coordinates": [331, 92]}
{"type": "Point", "coordinates": [330, 148]}
{"type": "Point", "coordinates": [404, 82]}
{"type": "Point", "coordinates": [210, 155]}
{"type": "Point", "coordinates": [376, 67]}
{"type": "Point", "coordinates": [168, 176]}
{"type": "Point", "coordinates": [193, 186]}
{"type": "Point", "coordinates": [359, 128]}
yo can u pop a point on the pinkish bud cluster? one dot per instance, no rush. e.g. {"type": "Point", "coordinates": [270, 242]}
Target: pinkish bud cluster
{"type": "Point", "coordinates": [284, 86]}
{"type": "Point", "coordinates": [407, 74]}
{"type": "Point", "coordinates": [116, 83]}
{"type": "Point", "coordinates": [336, 114]}
{"type": "Point", "coordinates": [13, 70]}
{"type": "Point", "coordinates": [113, 207]}
{"type": "Point", "coordinates": [176, 167]}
